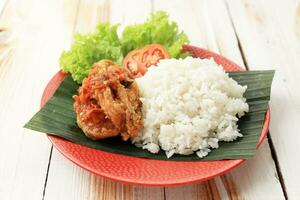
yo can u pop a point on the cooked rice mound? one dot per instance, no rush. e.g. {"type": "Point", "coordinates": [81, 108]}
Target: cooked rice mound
{"type": "Point", "coordinates": [189, 105]}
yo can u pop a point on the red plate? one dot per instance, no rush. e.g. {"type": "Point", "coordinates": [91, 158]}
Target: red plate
{"type": "Point", "coordinates": [140, 171]}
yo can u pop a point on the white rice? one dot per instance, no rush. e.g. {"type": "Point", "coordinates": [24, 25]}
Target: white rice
{"type": "Point", "coordinates": [189, 105]}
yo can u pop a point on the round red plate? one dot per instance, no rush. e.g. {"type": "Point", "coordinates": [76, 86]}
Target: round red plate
{"type": "Point", "coordinates": [140, 171]}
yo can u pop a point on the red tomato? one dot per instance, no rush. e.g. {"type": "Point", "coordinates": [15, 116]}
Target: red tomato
{"type": "Point", "coordinates": [137, 61]}
{"type": "Point", "coordinates": [151, 54]}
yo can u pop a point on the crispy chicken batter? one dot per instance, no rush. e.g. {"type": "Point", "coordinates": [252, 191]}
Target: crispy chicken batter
{"type": "Point", "coordinates": [108, 103]}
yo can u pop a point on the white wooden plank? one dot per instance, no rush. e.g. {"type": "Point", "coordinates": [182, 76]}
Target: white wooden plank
{"type": "Point", "coordinates": [2, 5]}
{"type": "Point", "coordinates": [268, 31]}
{"type": "Point", "coordinates": [210, 20]}
{"type": "Point", "coordinates": [66, 180]}
{"type": "Point", "coordinates": [29, 46]}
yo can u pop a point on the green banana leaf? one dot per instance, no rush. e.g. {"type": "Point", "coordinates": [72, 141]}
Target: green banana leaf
{"type": "Point", "coordinates": [58, 118]}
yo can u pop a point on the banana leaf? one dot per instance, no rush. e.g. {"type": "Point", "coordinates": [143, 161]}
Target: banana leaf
{"type": "Point", "coordinates": [58, 118]}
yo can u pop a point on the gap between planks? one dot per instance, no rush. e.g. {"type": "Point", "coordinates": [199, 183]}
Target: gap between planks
{"type": "Point", "coordinates": [47, 172]}
{"type": "Point", "coordinates": [275, 158]}
{"type": "Point", "coordinates": [51, 150]}
{"type": "Point", "coordinates": [270, 141]}
{"type": "Point", "coordinates": [237, 37]}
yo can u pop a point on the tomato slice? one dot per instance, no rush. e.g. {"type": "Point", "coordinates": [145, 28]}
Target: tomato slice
{"type": "Point", "coordinates": [137, 61]}
{"type": "Point", "coordinates": [151, 54]}
{"type": "Point", "coordinates": [131, 62]}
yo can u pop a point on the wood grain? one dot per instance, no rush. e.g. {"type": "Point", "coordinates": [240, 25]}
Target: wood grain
{"type": "Point", "coordinates": [207, 190]}
{"type": "Point", "coordinates": [30, 45]}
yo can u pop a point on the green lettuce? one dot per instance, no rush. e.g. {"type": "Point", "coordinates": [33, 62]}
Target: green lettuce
{"type": "Point", "coordinates": [87, 49]}
{"type": "Point", "coordinates": [157, 29]}
{"type": "Point", "coordinates": [105, 43]}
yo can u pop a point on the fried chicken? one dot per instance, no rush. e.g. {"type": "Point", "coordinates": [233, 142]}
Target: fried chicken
{"type": "Point", "coordinates": [108, 103]}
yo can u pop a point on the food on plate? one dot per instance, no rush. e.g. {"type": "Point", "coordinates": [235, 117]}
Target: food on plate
{"type": "Point", "coordinates": [105, 43]}
{"type": "Point", "coordinates": [108, 103]}
{"type": "Point", "coordinates": [189, 105]}
{"type": "Point", "coordinates": [57, 116]}
{"type": "Point", "coordinates": [138, 60]}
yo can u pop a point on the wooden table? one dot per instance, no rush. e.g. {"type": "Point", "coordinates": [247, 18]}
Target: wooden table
{"type": "Point", "coordinates": [260, 34]}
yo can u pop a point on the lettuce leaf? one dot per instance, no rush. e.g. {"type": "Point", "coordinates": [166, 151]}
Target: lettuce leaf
{"type": "Point", "coordinates": [90, 48]}
{"type": "Point", "coordinates": [157, 29]}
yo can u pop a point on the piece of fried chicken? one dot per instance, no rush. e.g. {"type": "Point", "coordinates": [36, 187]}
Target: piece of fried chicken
{"type": "Point", "coordinates": [108, 103]}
